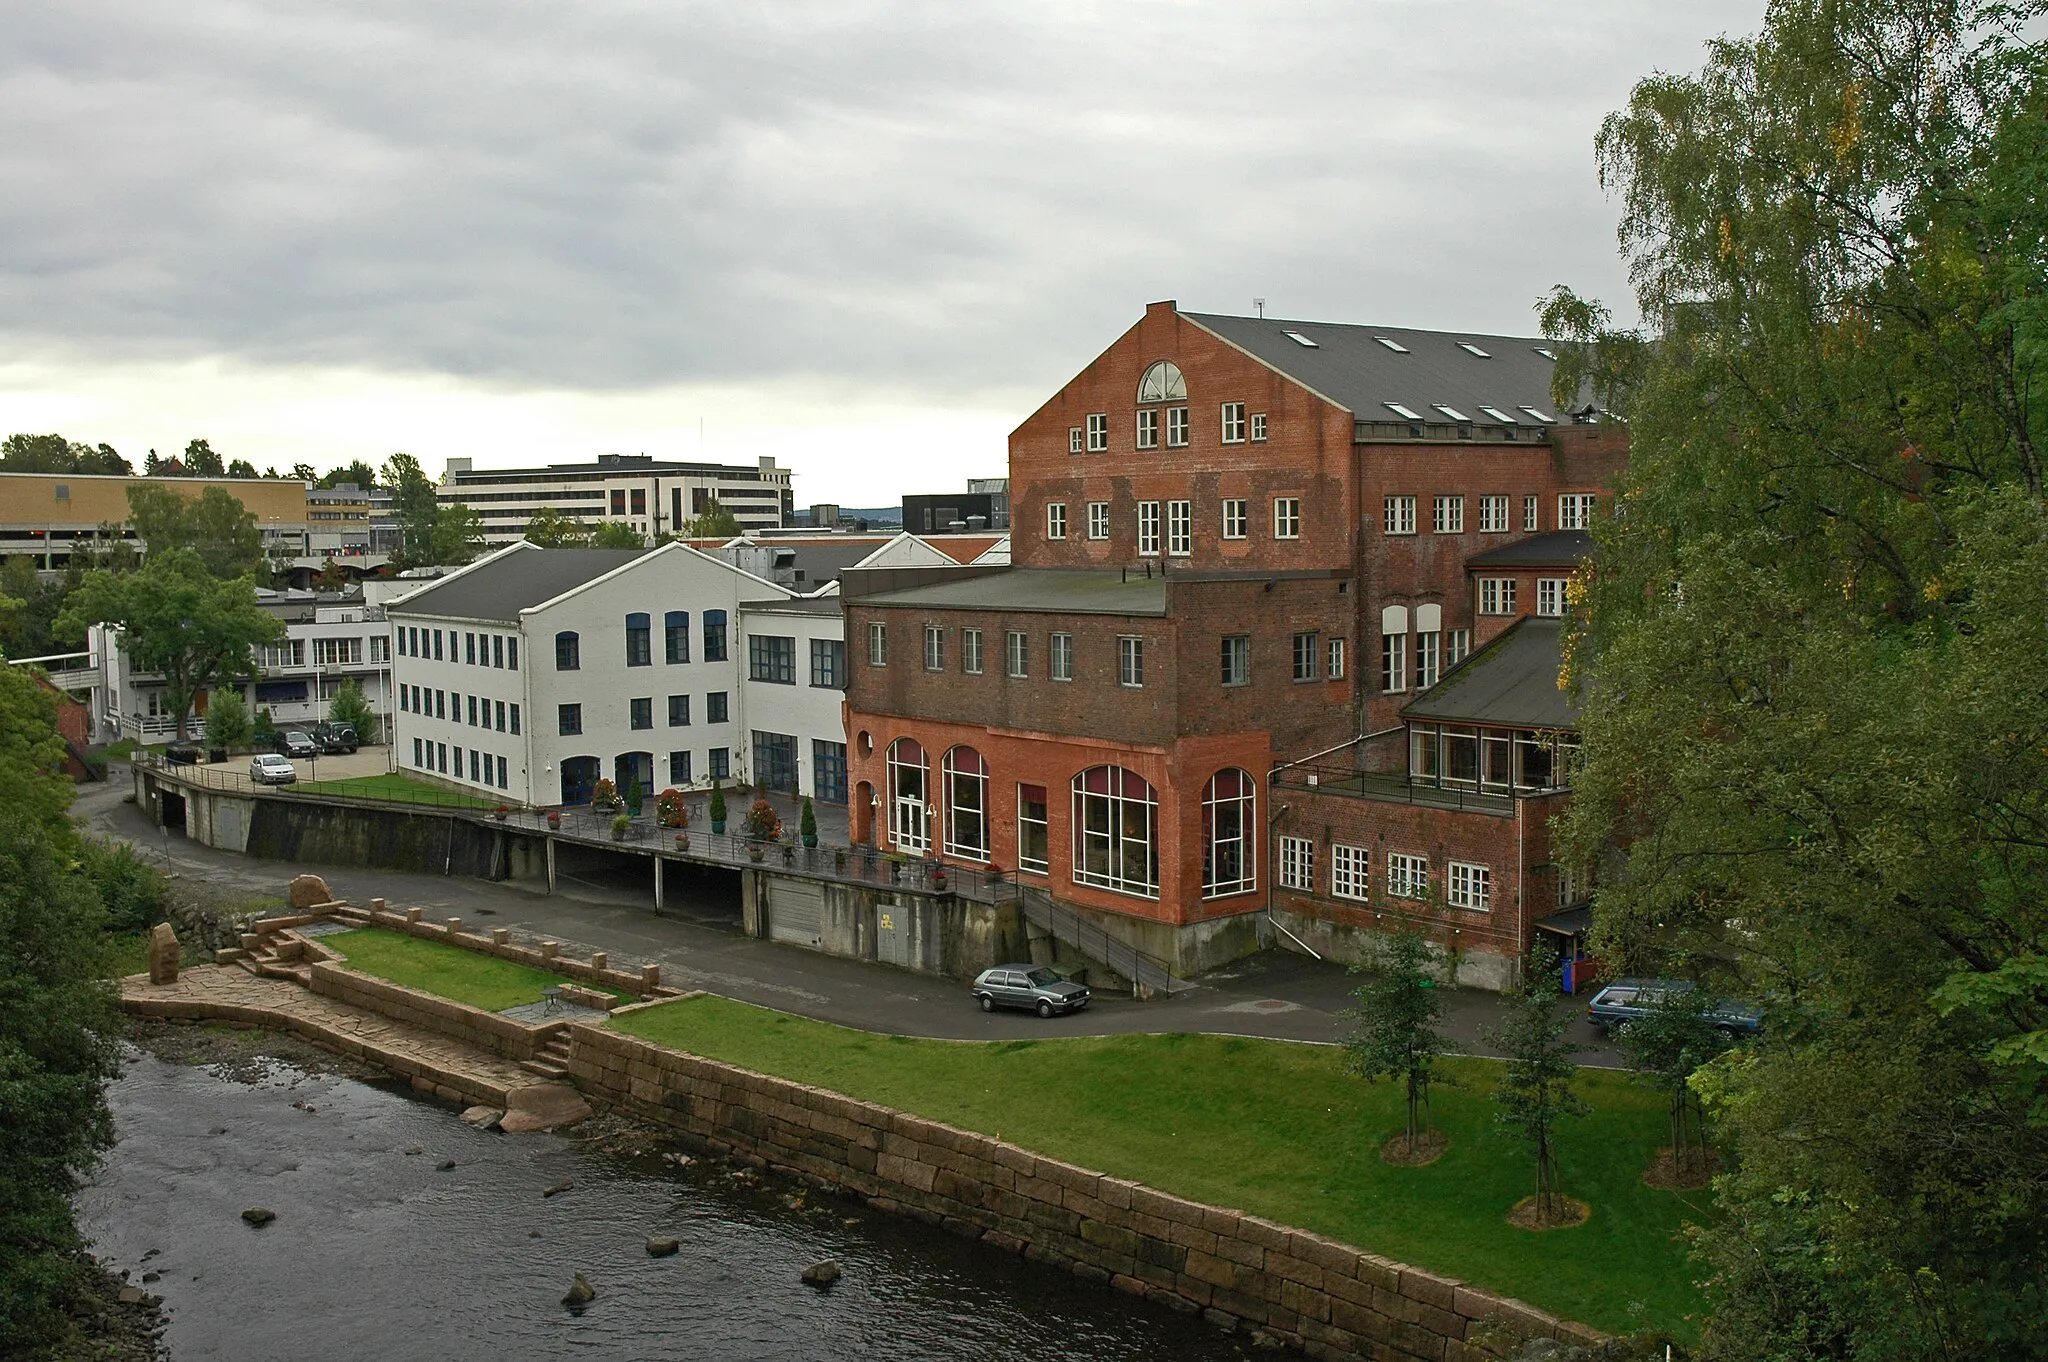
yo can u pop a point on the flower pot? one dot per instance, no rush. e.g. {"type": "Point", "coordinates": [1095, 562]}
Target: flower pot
{"type": "Point", "coordinates": [810, 839]}
{"type": "Point", "coordinates": [618, 834]}
{"type": "Point", "coordinates": [682, 841]}
{"type": "Point", "coordinates": [754, 854]}
{"type": "Point", "coordinates": [554, 820]}
{"type": "Point", "coordinates": [718, 826]}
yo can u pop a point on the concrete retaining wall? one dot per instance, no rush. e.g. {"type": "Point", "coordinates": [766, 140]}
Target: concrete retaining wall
{"type": "Point", "coordinates": [500, 1036]}
{"type": "Point", "coordinates": [1329, 1299]}
{"type": "Point", "coordinates": [644, 983]}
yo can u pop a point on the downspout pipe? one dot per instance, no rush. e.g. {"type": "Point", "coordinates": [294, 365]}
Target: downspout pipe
{"type": "Point", "coordinates": [1272, 869]}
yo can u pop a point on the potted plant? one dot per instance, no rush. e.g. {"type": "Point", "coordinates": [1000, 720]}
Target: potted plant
{"type": "Point", "coordinates": [682, 841]}
{"type": "Point", "coordinates": [755, 851]}
{"type": "Point", "coordinates": [620, 823]}
{"type": "Point", "coordinates": [763, 823]}
{"type": "Point", "coordinates": [669, 809]}
{"type": "Point", "coordinates": [604, 795]}
{"type": "Point", "coordinates": [717, 809]}
{"type": "Point", "coordinates": [839, 858]}
{"type": "Point", "coordinates": [635, 796]}
{"type": "Point", "coordinates": [500, 812]}
{"type": "Point", "coordinates": [938, 875]}
{"type": "Point", "coordinates": [809, 823]}
{"type": "Point", "coordinates": [554, 818]}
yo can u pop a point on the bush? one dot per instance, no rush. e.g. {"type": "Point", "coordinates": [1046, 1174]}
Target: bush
{"type": "Point", "coordinates": [670, 811]}
{"type": "Point", "coordinates": [352, 707]}
{"type": "Point", "coordinates": [763, 823]}
{"type": "Point", "coordinates": [635, 796]}
{"type": "Point", "coordinates": [135, 893]}
{"type": "Point", "coordinates": [809, 826]}
{"type": "Point", "coordinates": [604, 794]}
{"type": "Point", "coordinates": [717, 802]}
{"type": "Point", "coordinates": [227, 720]}
{"type": "Point", "coordinates": [266, 727]}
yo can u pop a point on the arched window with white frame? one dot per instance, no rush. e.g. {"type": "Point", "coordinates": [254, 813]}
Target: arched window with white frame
{"type": "Point", "coordinates": [909, 797]}
{"type": "Point", "coordinates": [966, 803]}
{"type": "Point", "coordinates": [1116, 831]}
{"type": "Point", "coordinates": [1230, 806]}
{"type": "Point", "coordinates": [1163, 382]}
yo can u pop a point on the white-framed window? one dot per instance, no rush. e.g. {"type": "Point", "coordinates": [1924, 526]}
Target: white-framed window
{"type": "Point", "coordinates": [878, 644]}
{"type": "Point", "coordinates": [1336, 669]}
{"type": "Point", "coordinates": [1148, 428]}
{"type": "Point", "coordinates": [1287, 517]}
{"type": "Point", "coordinates": [934, 648]}
{"type": "Point", "coordinates": [337, 652]}
{"type": "Point", "coordinates": [1469, 886]}
{"type": "Point", "coordinates": [1456, 646]}
{"type": "Point", "coordinates": [1098, 520]}
{"type": "Point", "coordinates": [1056, 520]}
{"type": "Point", "coordinates": [1116, 824]}
{"type": "Point", "coordinates": [1407, 876]}
{"type": "Point", "coordinates": [1073, 440]}
{"type": "Point", "coordinates": [380, 647]}
{"type": "Point", "coordinates": [1493, 515]}
{"type": "Point", "coordinates": [909, 793]}
{"type": "Point", "coordinates": [1550, 595]}
{"type": "Point", "coordinates": [1180, 528]}
{"type": "Point", "coordinates": [970, 651]}
{"type": "Point", "coordinates": [1575, 511]}
{"type": "Point", "coordinates": [1237, 659]}
{"type": "Point", "coordinates": [1258, 427]}
{"type": "Point", "coordinates": [1399, 515]}
{"type": "Point", "coordinates": [1229, 834]}
{"type": "Point", "coordinates": [1176, 427]}
{"type": "Point", "coordinates": [289, 652]}
{"type": "Point", "coordinates": [1062, 657]}
{"type": "Point", "coordinates": [1297, 863]}
{"type": "Point", "coordinates": [1448, 515]}
{"type": "Point", "coordinates": [1017, 652]}
{"type": "Point", "coordinates": [1163, 382]}
{"type": "Point", "coordinates": [1233, 517]}
{"type": "Point", "coordinates": [966, 776]}
{"type": "Point", "coordinates": [1530, 519]}
{"type": "Point", "coordinates": [1233, 423]}
{"type": "Point", "coordinates": [1033, 841]}
{"type": "Point", "coordinates": [1393, 663]}
{"type": "Point", "coordinates": [1148, 529]}
{"type": "Point", "coordinates": [1130, 661]}
{"type": "Point", "coordinates": [1496, 595]}
{"type": "Point", "coordinates": [1428, 658]}
{"type": "Point", "coordinates": [1305, 656]}
{"type": "Point", "coordinates": [1098, 432]}
{"type": "Point", "coordinates": [1350, 872]}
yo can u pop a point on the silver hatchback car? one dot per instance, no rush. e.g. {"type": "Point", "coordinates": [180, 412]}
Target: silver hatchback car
{"type": "Point", "coordinates": [1032, 987]}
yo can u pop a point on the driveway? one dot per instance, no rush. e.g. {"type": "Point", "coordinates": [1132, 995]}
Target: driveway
{"type": "Point", "coordinates": [1275, 994]}
{"type": "Point", "coordinates": [233, 773]}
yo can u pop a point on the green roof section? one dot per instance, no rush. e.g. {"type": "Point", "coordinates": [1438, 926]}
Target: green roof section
{"type": "Point", "coordinates": [1510, 683]}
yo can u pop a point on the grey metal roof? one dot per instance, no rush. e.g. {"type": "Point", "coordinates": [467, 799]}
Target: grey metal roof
{"type": "Point", "coordinates": [794, 605]}
{"type": "Point", "coordinates": [1050, 590]}
{"type": "Point", "coordinates": [1559, 549]}
{"type": "Point", "coordinates": [1349, 366]}
{"type": "Point", "coordinates": [1510, 683]}
{"type": "Point", "coordinates": [512, 582]}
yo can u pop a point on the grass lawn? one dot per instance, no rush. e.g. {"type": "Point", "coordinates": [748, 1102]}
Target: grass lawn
{"type": "Point", "coordinates": [463, 976]}
{"type": "Point", "coordinates": [1274, 1128]}
{"type": "Point", "coordinates": [396, 785]}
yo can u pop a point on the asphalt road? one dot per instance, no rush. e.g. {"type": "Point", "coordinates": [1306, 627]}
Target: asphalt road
{"type": "Point", "coordinates": [1276, 994]}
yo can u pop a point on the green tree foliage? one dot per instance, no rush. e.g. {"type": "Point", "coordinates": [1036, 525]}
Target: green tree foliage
{"type": "Point", "coordinates": [1665, 1048]}
{"type": "Point", "coordinates": [1816, 717]}
{"type": "Point", "coordinates": [350, 706]}
{"type": "Point", "coordinates": [214, 525]}
{"type": "Point", "coordinates": [1535, 1091]}
{"type": "Point", "coordinates": [33, 786]}
{"type": "Point", "coordinates": [201, 462]}
{"type": "Point", "coordinates": [55, 454]}
{"type": "Point", "coordinates": [715, 521]}
{"type": "Point", "coordinates": [1394, 1023]}
{"type": "Point", "coordinates": [177, 620]}
{"type": "Point", "coordinates": [27, 627]}
{"type": "Point", "coordinates": [458, 535]}
{"type": "Point", "coordinates": [413, 505]}
{"type": "Point", "coordinates": [133, 892]}
{"type": "Point", "coordinates": [550, 529]}
{"type": "Point", "coordinates": [304, 472]}
{"type": "Point", "coordinates": [616, 534]}
{"type": "Point", "coordinates": [57, 1050]}
{"type": "Point", "coordinates": [358, 472]}
{"type": "Point", "coordinates": [241, 468]}
{"type": "Point", "coordinates": [227, 719]}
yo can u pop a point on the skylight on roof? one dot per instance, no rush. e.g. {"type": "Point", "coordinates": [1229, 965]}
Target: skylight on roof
{"type": "Point", "coordinates": [1546, 420]}
{"type": "Point", "coordinates": [1451, 412]}
{"type": "Point", "coordinates": [1546, 352]}
{"type": "Point", "coordinates": [1469, 348]}
{"type": "Point", "coordinates": [1300, 339]}
{"type": "Point", "coordinates": [1497, 414]}
{"type": "Point", "coordinates": [1401, 411]}
{"type": "Point", "coordinates": [1392, 344]}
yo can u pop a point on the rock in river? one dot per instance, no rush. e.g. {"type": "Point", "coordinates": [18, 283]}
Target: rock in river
{"type": "Point", "coordinates": [661, 1248]}
{"type": "Point", "coordinates": [580, 1294]}
{"type": "Point", "coordinates": [557, 1189]}
{"type": "Point", "coordinates": [822, 1274]}
{"type": "Point", "coordinates": [259, 1215]}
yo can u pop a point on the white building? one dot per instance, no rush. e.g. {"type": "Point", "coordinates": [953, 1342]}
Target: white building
{"type": "Point", "coordinates": [534, 672]}
{"type": "Point", "coordinates": [653, 496]}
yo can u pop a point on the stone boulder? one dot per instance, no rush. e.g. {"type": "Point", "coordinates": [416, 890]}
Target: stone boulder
{"type": "Point", "coordinates": [307, 891]}
{"type": "Point", "coordinates": [542, 1106]}
{"type": "Point", "coordinates": [163, 954]}
{"type": "Point", "coordinates": [663, 1246]}
{"type": "Point", "coordinates": [822, 1274]}
{"type": "Point", "coordinates": [580, 1294]}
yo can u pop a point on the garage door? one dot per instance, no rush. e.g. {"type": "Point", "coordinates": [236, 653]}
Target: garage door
{"type": "Point", "coordinates": [892, 934]}
{"type": "Point", "coordinates": [796, 908]}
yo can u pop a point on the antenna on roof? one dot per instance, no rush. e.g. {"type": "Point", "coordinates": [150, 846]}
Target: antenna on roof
{"type": "Point", "coordinates": [1260, 304]}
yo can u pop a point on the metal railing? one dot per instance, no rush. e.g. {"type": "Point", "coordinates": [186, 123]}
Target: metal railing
{"type": "Point", "coordinates": [215, 776]}
{"type": "Point", "coordinates": [1148, 972]}
{"type": "Point", "coordinates": [1396, 788]}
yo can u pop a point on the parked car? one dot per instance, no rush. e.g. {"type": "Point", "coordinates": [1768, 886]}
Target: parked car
{"type": "Point", "coordinates": [333, 737]}
{"type": "Point", "coordinates": [268, 768]}
{"type": "Point", "coordinates": [1624, 1000]}
{"type": "Point", "coordinates": [1033, 987]}
{"type": "Point", "coordinates": [182, 753]}
{"type": "Point", "coordinates": [292, 743]}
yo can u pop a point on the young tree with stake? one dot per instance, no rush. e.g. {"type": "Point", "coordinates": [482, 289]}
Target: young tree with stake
{"type": "Point", "coordinates": [1394, 1032]}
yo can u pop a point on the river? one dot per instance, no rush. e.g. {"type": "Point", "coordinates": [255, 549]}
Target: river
{"type": "Point", "coordinates": [379, 1253]}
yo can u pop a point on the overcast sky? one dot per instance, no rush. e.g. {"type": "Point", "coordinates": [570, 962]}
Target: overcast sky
{"type": "Point", "coordinates": [866, 238]}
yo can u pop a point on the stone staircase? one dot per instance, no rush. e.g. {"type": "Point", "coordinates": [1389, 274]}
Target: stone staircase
{"type": "Point", "coordinates": [267, 955]}
{"type": "Point", "coordinates": [551, 1057]}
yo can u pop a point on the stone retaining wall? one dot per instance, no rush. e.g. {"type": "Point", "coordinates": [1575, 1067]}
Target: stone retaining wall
{"type": "Point", "coordinates": [1326, 1298]}
{"type": "Point", "coordinates": [500, 1036]}
{"type": "Point", "coordinates": [643, 983]}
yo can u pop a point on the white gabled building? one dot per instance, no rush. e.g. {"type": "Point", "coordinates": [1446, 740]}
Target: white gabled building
{"type": "Point", "coordinates": [534, 672]}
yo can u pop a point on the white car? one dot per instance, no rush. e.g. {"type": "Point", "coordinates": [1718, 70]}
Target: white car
{"type": "Point", "coordinates": [268, 768]}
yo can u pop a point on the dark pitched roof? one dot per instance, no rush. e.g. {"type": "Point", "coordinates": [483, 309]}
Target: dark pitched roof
{"type": "Point", "coordinates": [508, 583]}
{"type": "Point", "coordinates": [1558, 549]}
{"type": "Point", "coordinates": [1510, 683]}
{"type": "Point", "coordinates": [1349, 366]}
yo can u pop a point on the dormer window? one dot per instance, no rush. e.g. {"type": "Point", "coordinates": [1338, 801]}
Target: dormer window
{"type": "Point", "coordinates": [1163, 383]}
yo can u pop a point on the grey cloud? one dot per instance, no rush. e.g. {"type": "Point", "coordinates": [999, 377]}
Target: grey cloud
{"type": "Point", "coordinates": [936, 198]}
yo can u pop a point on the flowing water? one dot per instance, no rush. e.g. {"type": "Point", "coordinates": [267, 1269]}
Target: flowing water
{"type": "Point", "coordinates": [378, 1253]}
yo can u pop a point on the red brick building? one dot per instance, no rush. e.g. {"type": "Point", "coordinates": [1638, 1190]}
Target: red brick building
{"type": "Point", "coordinates": [1240, 548]}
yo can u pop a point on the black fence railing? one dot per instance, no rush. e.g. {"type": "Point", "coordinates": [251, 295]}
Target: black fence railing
{"type": "Point", "coordinates": [357, 789]}
{"type": "Point", "coordinates": [1346, 780]}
